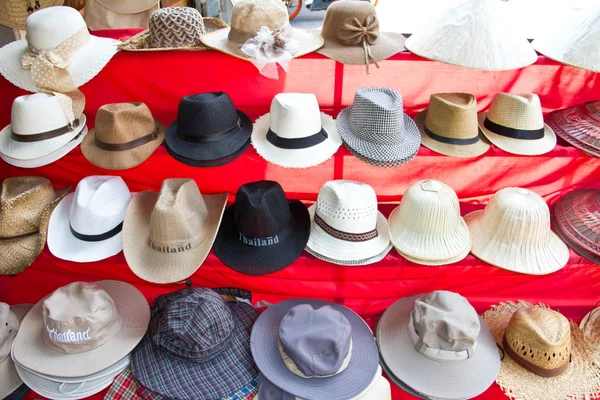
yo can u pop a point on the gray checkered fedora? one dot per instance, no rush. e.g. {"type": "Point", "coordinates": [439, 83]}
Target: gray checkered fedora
{"type": "Point", "coordinates": [197, 346]}
{"type": "Point", "coordinates": [376, 129]}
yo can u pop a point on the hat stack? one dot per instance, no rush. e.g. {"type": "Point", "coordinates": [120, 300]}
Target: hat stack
{"type": "Point", "coordinates": [10, 319]}
{"type": "Point", "coordinates": [579, 126]}
{"type": "Point", "coordinates": [75, 341]}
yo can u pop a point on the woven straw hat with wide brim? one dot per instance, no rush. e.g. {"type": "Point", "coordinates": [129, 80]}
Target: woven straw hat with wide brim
{"type": "Point", "coordinates": [9, 379]}
{"type": "Point", "coordinates": [579, 126]}
{"type": "Point", "coordinates": [580, 380]}
{"type": "Point", "coordinates": [31, 352]}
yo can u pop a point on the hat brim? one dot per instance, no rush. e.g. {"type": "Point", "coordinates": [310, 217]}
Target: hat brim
{"type": "Point", "coordinates": [363, 366]}
{"type": "Point", "coordinates": [449, 380]}
{"type": "Point", "coordinates": [520, 146]}
{"type": "Point", "coordinates": [297, 158]}
{"type": "Point", "coordinates": [9, 379]}
{"type": "Point", "coordinates": [85, 64]}
{"type": "Point", "coordinates": [119, 160]}
{"type": "Point", "coordinates": [28, 151]}
{"type": "Point", "coordinates": [576, 137]}
{"type": "Point", "coordinates": [175, 378]}
{"type": "Point", "coordinates": [349, 253]}
{"type": "Point", "coordinates": [30, 351]}
{"type": "Point", "coordinates": [540, 260]}
{"type": "Point", "coordinates": [252, 260]}
{"type": "Point", "coordinates": [398, 382]}
{"type": "Point", "coordinates": [465, 151]}
{"type": "Point", "coordinates": [572, 238]}
{"type": "Point", "coordinates": [157, 267]}
{"type": "Point", "coordinates": [386, 45]}
{"type": "Point", "coordinates": [219, 40]}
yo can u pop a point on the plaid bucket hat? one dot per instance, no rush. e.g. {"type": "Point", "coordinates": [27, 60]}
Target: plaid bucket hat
{"type": "Point", "coordinates": [197, 346]}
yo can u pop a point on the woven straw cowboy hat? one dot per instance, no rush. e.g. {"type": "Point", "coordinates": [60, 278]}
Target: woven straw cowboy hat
{"type": "Point", "coordinates": [10, 319]}
{"type": "Point", "coordinates": [427, 228]}
{"type": "Point", "coordinates": [124, 136]}
{"type": "Point", "coordinates": [81, 329]}
{"type": "Point", "coordinates": [168, 235]}
{"type": "Point", "coordinates": [352, 36]}
{"type": "Point", "coordinates": [513, 233]}
{"type": "Point", "coordinates": [295, 134]}
{"type": "Point", "coordinates": [515, 124]}
{"type": "Point", "coordinates": [47, 29]}
{"type": "Point", "coordinates": [545, 355]}
{"type": "Point", "coordinates": [449, 125]}
{"type": "Point", "coordinates": [14, 13]}
{"type": "Point", "coordinates": [438, 345]}
{"type": "Point", "coordinates": [574, 41]}
{"type": "Point", "coordinates": [579, 126]}
{"type": "Point", "coordinates": [25, 207]}
{"type": "Point", "coordinates": [174, 28]}
{"type": "Point", "coordinates": [475, 34]}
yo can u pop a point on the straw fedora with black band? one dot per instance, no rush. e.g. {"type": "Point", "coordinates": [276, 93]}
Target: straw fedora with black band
{"type": "Point", "coordinates": [10, 319]}
{"type": "Point", "coordinates": [449, 125]}
{"type": "Point", "coordinates": [579, 126]}
{"type": "Point", "coordinates": [515, 124]}
{"type": "Point", "coordinates": [26, 204]}
{"type": "Point", "coordinates": [208, 131]}
{"type": "Point", "coordinates": [124, 136]}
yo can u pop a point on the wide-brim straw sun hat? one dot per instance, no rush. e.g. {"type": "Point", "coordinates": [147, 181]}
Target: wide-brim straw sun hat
{"type": "Point", "coordinates": [579, 126]}
{"type": "Point", "coordinates": [9, 379]}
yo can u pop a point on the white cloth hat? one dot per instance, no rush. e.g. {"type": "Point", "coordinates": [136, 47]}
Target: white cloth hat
{"type": "Point", "coordinates": [10, 319]}
{"type": "Point", "coordinates": [295, 134]}
{"type": "Point", "coordinates": [87, 225]}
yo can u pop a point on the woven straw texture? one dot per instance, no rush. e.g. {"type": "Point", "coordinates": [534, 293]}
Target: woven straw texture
{"type": "Point", "coordinates": [590, 327]}
{"type": "Point", "coordinates": [579, 126]}
{"type": "Point", "coordinates": [14, 13]}
{"type": "Point", "coordinates": [581, 380]}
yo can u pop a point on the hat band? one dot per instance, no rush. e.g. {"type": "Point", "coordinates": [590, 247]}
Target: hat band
{"type": "Point", "coordinates": [297, 143]}
{"type": "Point", "coordinates": [524, 134]}
{"type": "Point", "coordinates": [213, 137]}
{"type": "Point", "coordinates": [97, 238]}
{"type": "Point", "coordinates": [129, 145]}
{"type": "Point", "coordinates": [449, 140]}
{"type": "Point", "coordinates": [17, 137]}
{"type": "Point", "coordinates": [437, 354]}
{"type": "Point", "coordinates": [543, 372]}
{"type": "Point", "coordinates": [345, 236]}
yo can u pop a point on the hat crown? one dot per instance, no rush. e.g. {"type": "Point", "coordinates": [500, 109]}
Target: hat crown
{"type": "Point", "coordinates": [377, 115]}
{"type": "Point", "coordinates": [517, 111]}
{"type": "Point", "coordinates": [452, 115]}
{"type": "Point", "coordinates": [22, 203]}
{"type": "Point", "coordinates": [249, 16]}
{"type": "Point", "coordinates": [295, 115]}
{"type": "Point", "coordinates": [340, 17]}
{"type": "Point", "coordinates": [316, 340]}
{"type": "Point", "coordinates": [37, 113]}
{"type": "Point", "coordinates": [261, 209]}
{"type": "Point", "coordinates": [9, 324]}
{"type": "Point", "coordinates": [175, 27]}
{"type": "Point", "coordinates": [206, 114]}
{"type": "Point", "coordinates": [99, 204]}
{"type": "Point", "coordinates": [49, 27]}
{"type": "Point", "coordinates": [123, 122]}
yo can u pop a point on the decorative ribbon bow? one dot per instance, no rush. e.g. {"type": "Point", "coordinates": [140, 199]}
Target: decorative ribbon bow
{"type": "Point", "coordinates": [49, 72]}
{"type": "Point", "coordinates": [269, 48]}
{"type": "Point", "coordinates": [353, 32]}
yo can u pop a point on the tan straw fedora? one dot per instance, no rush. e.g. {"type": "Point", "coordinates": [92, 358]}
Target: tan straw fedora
{"type": "Point", "coordinates": [168, 235]}
{"type": "Point", "coordinates": [449, 125]}
{"type": "Point", "coordinates": [14, 13]}
{"type": "Point", "coordinates": [125, 135]}
{"type": "Point", "coordinates": [513, 233]}
{"type": "Point", "coordinates": [515, 124]}
{"type": "Point", "coordinates": [352, 36]}
{"type": "Point", "coordinates": [545, 356]}
{"type": "Point", "coordinates": [26, 204]}
{"type": "Point", "coordinates": [427, 228]}
{"type": "Point", "coordinates": [174, 28]}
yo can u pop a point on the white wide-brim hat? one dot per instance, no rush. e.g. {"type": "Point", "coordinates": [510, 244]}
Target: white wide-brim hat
{"type": "Point", "coordinates": [46, 149]}
{"type": "Point", "coordinates": [85, 64]}
{"type": "Point", "coordinates": [9, 379]}
{"type": "Point", "coordinates": [337, 251]}
{"type": "Point", "coordinates": [447, 380]}
{"type": "Point", "coordinates": [298, 158]}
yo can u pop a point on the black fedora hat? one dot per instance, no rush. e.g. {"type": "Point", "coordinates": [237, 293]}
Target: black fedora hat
{"type": "Point", "coordinates": [262, 232]}
{"type": "Point", "coordinates": [208, 131]}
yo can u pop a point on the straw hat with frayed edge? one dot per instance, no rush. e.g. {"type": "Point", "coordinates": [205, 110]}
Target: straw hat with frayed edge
{"type": "Point", "coordinates": [427, 226]}
{"type": "Point", "coordinates": [579, 126]}
{"type": "Point", "coordinates": [352, 36]}
{"type": "Point", "coordinates": [247, 19]}
{"type": "Point", "coordinates": [513, 233]}
{"type": "Point", "coordinates": [449, 125]}
{"type": "Point", "coordinates": [295, 134]}
{"type": "Point", "coordinates": [26, 204]}
{"type": "Point", "coordinates": [475, 34]}
{"type": "Point", "coordinates": [174, 28]}
{"type": "Point", "coordinates": [14, 13]}
{"type": "Point", "coordinates": [574, 41]}
{"type": "Point", "coordinates": [438, 345]}
{"type": "Point", "coordinates": [168, 235]}
{"type": "Point", "coordinates": [10, 319]}
{"type": "Point", "coordinates": [124, 136]}
{"type": "Point", "coordinates": [547, 336]}
{"type": "Point", "coordinates": [81, 329]}
{"type": "Point", "coordinates": [47, 29]}
{"type": "Point", "coordinates": [515, 124]}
